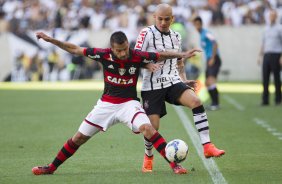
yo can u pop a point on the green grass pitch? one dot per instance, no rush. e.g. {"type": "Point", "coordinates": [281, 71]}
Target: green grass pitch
{"type": "Point", "coordinates": [35, 123]}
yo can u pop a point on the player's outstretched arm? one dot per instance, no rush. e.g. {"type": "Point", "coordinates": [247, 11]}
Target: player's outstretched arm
{"type": "Point", "coordinates": [171, 55]}
{"type": "Point", "coordinates": [69, 47]}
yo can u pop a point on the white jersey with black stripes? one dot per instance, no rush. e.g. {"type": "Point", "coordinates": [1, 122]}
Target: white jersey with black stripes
{"type": "Point", "coordinates": [150, 39]}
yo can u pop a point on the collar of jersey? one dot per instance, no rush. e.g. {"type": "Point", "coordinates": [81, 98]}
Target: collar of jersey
{"type": "Point", "coordinates": [164, 33]}
{"type": "Point", "coordinates": [117, 59]}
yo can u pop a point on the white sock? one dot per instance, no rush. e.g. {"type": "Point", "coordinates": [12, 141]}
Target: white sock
{"type": "Point", "coordinates": [148, 147]}
{"type": "Point", "coordinates": [202, 124]}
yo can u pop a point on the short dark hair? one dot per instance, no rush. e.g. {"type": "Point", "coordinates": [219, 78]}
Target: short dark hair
{"type": "Point", "coordinates": [196, 19]}
{"type": "Point", "coordinates": [118, 37]}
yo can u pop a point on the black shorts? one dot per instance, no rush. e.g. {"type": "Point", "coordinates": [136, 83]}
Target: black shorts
{"type": "Point", "coordinates": [214, 69]}
{"type": "Point", "coordinates": [154, 101]}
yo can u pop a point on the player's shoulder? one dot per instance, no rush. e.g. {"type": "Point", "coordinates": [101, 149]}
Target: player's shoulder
{"type": "Point", "coordinates": [137, 53]}
{"type": "Point", "coordinates": [175, 33]}
{"type": "Point", "coordinates": [206, 33]}
{"type": "Point", "coordinates": [102, 50]}
{"type": "Point", "coordinates": [96, 53]}
{"type": "Point", "coordinates": [147, 30]}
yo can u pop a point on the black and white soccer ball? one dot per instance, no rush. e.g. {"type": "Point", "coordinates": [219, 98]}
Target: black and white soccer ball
{"type": "Point", "coordinates": [176, 150]}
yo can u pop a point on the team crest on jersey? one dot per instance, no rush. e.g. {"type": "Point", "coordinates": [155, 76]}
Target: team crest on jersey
{"type": "Point", "coordinates": [132, 70]}
{"type": "Point", "coordinates": [121, 71]}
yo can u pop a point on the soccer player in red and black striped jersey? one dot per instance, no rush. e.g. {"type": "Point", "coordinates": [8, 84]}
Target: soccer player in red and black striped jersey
{"type": "Point", "coordinates": [119, 102]}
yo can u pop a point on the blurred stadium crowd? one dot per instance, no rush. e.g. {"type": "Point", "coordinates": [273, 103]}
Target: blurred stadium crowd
{"type": "Point", "coordinates": [21, 17]}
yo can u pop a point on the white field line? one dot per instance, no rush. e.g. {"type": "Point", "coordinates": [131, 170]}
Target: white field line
{"type": "Point", "coordinates": [209, 164]}
{"type": "Point", "coordinates": [233, 102]}
{"type": "Point", "coordinates": [273, 131]}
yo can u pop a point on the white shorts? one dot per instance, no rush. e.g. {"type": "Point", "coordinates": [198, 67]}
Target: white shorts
{"type": "Point", "coordinates": [105, 115]}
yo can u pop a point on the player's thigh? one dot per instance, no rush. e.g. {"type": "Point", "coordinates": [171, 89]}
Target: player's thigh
{"type": "Point", "coordinates": [101, 118]}
{"type": "Point", "coordinates": [155, 120]}
{"type": "Point", "coordinates": [181, 94]}
{"type": "Point", "coordinates": [154, 102]}
{"type": "Point", "coordinates": [132, 115]}
{"type": "Point", "coordinates": [189, 99]}
{"type": "Point", "coordinates": [212, 71]}
{"type": "Point", "coordinates": [210, 80]}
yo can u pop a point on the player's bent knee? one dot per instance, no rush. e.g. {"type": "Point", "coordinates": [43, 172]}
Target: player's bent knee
{"type": "Point", "coordinates": [80, 138]}
{"type": "Point", "coordinates": [147, 130]}
{"type": "Point", "coordinates": [196, 102]}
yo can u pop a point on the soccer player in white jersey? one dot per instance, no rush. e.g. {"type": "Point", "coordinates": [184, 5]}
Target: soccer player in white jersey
{"type": "Point", "coordinates": [169, 84]}
{"type": "Point", "coordinates": [119, 102]}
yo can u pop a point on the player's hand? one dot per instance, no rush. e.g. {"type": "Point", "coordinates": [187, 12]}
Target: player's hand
{"type": "Point", "coordinates": [191, 83]}
{"type": "Point", "coordinates": [191, 53]}
{"type": "Point", "coordinates": [259, 61]}
{"type": "Point", "coordinates": [43, 36]}
{"type": "Point", "coordinates": [152, 67]}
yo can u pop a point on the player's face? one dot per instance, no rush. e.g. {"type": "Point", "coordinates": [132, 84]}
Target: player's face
{"type": "Point", "coordinates": [121, 51]}
{"type": "Point", "coordinates": [163, 21]}
{"type": "Point", "coordinates": [198, 25]}
{"type": "Point", "coordinates": [273, 16]}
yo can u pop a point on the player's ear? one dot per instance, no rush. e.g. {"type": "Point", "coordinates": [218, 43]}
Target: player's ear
{"type": "Point", "coordinates": [172, 19]}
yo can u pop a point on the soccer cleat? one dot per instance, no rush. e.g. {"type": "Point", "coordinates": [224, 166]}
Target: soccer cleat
{"type": "Point", "coordinates": [147, 164]}
{"type": "Point", "coordinates": [178, 169]}
{"type": "Point", "coordinates": [39, 170]}
{"type": "Point", "coordinates": [211, 151]}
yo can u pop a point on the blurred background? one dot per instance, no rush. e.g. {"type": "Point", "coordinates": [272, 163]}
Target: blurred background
{"type": "Point", "coordinates": [237, 26]}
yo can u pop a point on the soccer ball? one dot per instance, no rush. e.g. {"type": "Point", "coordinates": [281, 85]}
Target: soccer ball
{"type": "Point", "coordinates": [176, 150]}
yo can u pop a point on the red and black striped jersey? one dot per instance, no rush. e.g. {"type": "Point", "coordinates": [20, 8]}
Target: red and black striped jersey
{"type": "Point", "coordinates": [120, 76]}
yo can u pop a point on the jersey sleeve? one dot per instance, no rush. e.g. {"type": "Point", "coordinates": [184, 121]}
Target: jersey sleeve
{"type": "Point", "coordinates": [142, 41]}
{"type": "Point", "coordinates": [210, 37]}
{"type": "Point", "coordinates": [147, 57]}
{"type": "Point", "coordinates": [95, 53]}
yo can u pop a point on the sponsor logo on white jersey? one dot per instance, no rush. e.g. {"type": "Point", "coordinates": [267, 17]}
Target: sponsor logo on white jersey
{"type": "Point", "coordinates": [163, 79]}
{"type": "Point", "coordinates": [140, 39]}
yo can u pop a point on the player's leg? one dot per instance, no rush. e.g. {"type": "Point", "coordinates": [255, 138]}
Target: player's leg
{"type": "Point", "coordinates": [142, 123]}
{"type": "Point", "coordinates": [265, 78]}
{"type": "Point", "coordinates": [84, 133]}
{"type": "Point", "coordinates": [148, 160]}
{"type": "Point", "coordinates": [189, 99]}
{"type": "Point", "coordinates": [276, 68]}
{"type": "Point", "coordinates": [213, 92]}
{"type": "Point", "coordinates": [154, 105]}
{"type": "Point", "coordinates": [86, 130]}
{"type": "Point", "coordinates": [211, 80]}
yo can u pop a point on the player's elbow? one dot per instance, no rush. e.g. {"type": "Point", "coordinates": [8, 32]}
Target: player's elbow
{"type": "Point", "coordinates": [76, 51]}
